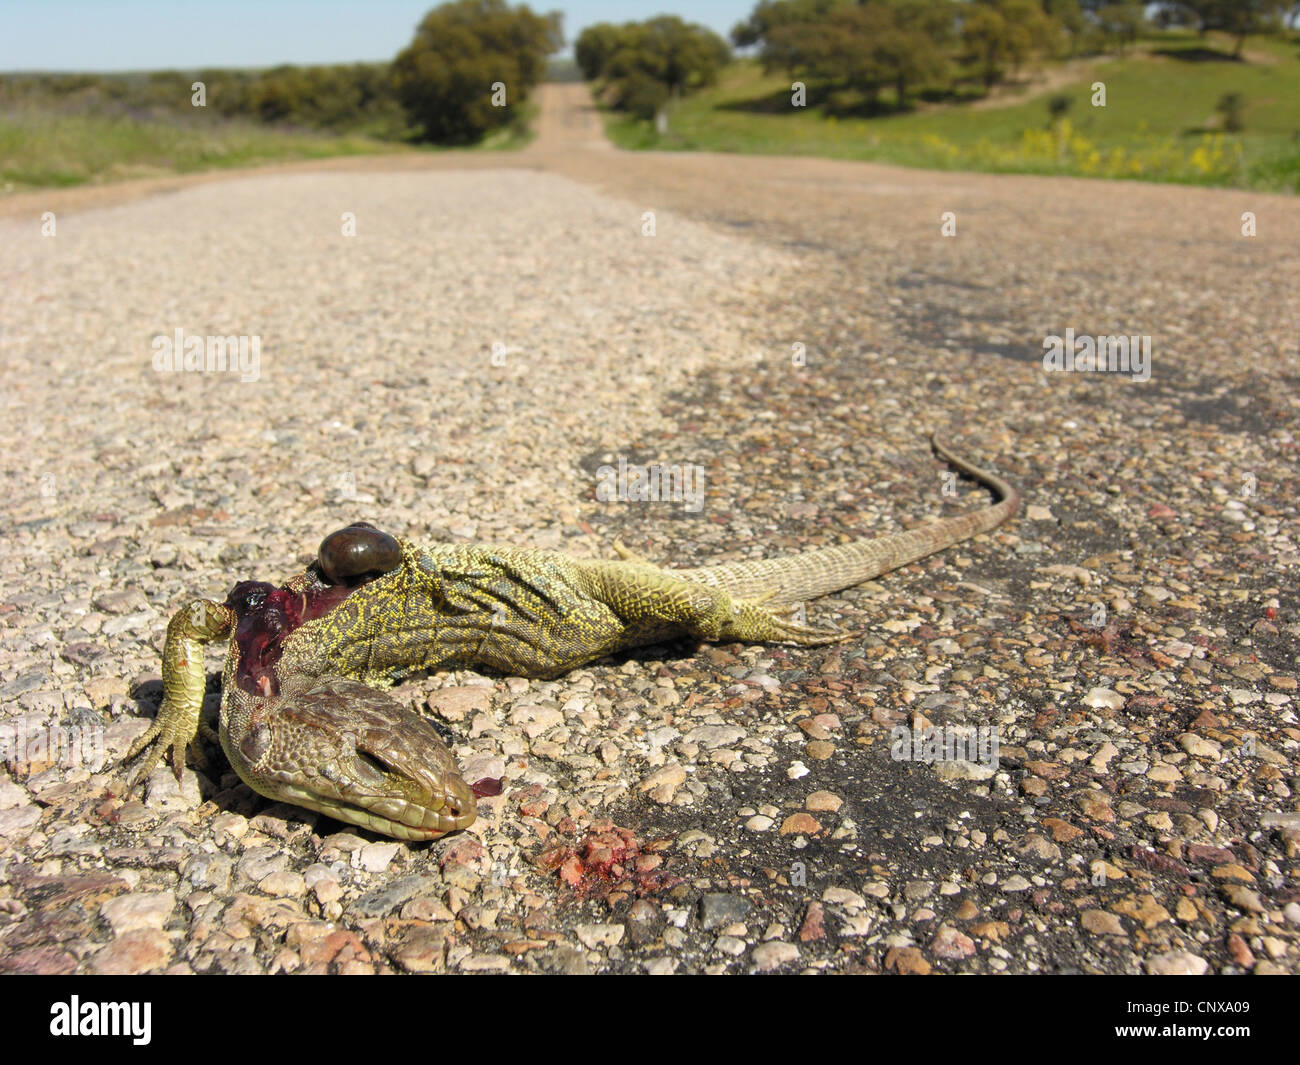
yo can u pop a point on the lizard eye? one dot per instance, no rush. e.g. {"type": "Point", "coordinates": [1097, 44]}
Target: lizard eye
{"type": "Point", "coordinates": [255, 745]}
{"type": "Point", "coordinates": [368, 769]}
{"type": "Point", "coordinates": [356, 551]}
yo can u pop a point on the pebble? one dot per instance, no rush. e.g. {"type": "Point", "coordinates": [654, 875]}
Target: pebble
{"type": "Point", "coordinates": [1101, 923]}
{"type": "Point", "coordinates": [137, 910]}
{"type": "Point", "coordinates": [773, 955]}
{"type": "Point", "coordinates": [598, 936]}
{"type": "Point", "coordinates": [716, 910]}
{"type": "Point", "coordinates": [1177, 963]}
{"type": "Point", "coordinates": [662, 785]}
{"type": "Point", "coordinates": [952, 944]}
{"type": "Point", "coordinates": [800, 823]}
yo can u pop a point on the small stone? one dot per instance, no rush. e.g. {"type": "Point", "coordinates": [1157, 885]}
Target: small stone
{"type": "Point", "coordinates": [960, 769]}
{"type": "Point", "coordinates": [1062, 831]}
{"type": "Point", "coordinates": [711, 736]}
{"type": "Point", "coordinates": [144, 950]}
{"type": "Point", "coordinates": [952, 944]}
{"type": "Point", "coordinates": [1095, 805]}
{"type": "Point", "coordinates": [1232, 871]}
{"type": "Point", "coordinates": [1103, 699]}
{"type": "Point", "coordinates": [662, 784]}
{"type": "Point", "coordinates": [486, 963]}
{"type": "Point", "coordinates": [120, 601]}
{"type": "Point", "coordinates": [456, 704]}
{"type": "Point", "coordinates": [1143, 908]}
{"type": "Point", "coordinates": [823, 802]}
{"type": "Point", "coordinates": [323, 882]}
{"type": "Point", "coordinates": [774, 954]}
{"type": "Point", "coordinates": [17, 822]}
{"type": "Point", "coordinates": [1016, 883]}
{"type": "Point", "coordinates": [801, 824]}
{"type": "Point", "coordinates": [1104, 754]}
{"type": "Point", "coordinates": [717, 910]}
{"type": "Point", "coordinates": [838, 896]}
{"type": "Point", "coordinates": [284, 884]}
{"type": "Point", "coordinates": [813, 926]}
{"type": "Point", "coordinates": [140, 909]}
{"type": "Point", "coordinates": [1040, 847]}
{"type": "Point", "coordinates": [1200, 747]}
{"type": "Point", "coordinates": [1243, 898]}
{"type": "Point", "coordinates": [907, 960]}
{"type": "Point", "coordinates": [1101, 923]}
{"type": "Point", "coordinates": [376, 857]}
{"type": "Point", "coordinates": [1177, 963]}
{"type": "Point", "coordinates": [384, 899]}
{"type": "Point", "coordinates": [423, 950]}
{"type": "Point", "coordinates": [819, 750]}
{"type": "Point", "coordinates": [1239, 952]}
{"type": "Point", "coordinates": [595, 936]}
{"type": "Point", "coordinates": [733, 945]}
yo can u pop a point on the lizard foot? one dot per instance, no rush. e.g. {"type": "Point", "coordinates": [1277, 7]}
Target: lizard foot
{"type": "Point", "coordinates": [170, 732]}
{"type": "Point", "coordinates": [751, 622]}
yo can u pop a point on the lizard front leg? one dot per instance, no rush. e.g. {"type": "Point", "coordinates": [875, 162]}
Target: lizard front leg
{"type": "Point", "coordinates": [184, 679]}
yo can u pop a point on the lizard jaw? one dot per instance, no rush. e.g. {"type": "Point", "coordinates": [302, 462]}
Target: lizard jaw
{"type": "Point", "coordinates": [409, 821]}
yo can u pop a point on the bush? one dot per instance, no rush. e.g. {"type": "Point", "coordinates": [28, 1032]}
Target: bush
{"type": "Point", "coordinates": [445, 77]}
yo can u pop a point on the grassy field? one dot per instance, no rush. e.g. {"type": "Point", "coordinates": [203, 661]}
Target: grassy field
{"type": "Point", "coordinates": [42, 148]}
{"type": "Point", "coordinates": [1159, 124]}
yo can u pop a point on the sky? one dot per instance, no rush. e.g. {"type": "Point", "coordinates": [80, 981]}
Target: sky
{"type": "Point", "coordinates": [95, 35]}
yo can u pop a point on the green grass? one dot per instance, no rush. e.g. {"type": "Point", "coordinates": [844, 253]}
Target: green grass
{"type": "Point", "coordinates": [1160, 123]}
{"type": "Point", "coordinates": [40, 149]}
{"type": "Point", "coordinates": [43, 148]}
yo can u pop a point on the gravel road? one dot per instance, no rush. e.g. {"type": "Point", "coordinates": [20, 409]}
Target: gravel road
{"type": "Point", "coordinates": [499, 326]}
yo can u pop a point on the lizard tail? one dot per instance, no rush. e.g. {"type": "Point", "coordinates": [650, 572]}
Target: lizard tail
{"type": "Point", "coordinates": [810, 574]}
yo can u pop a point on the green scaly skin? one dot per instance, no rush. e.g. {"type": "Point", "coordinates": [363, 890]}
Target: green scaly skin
{"type": "Point", "coordinates": [329, 741]}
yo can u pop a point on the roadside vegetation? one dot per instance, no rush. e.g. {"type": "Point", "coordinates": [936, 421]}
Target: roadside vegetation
{"type": "Point", "coordinates": [1198, 93]}
{"type": "Point", "coordinates": [464, 81]}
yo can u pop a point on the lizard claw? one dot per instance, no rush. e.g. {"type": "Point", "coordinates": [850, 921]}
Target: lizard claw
{"type": "Point", "coordinates": [168, 737]}
{"type": "Point", "coordinates": [628, 555]}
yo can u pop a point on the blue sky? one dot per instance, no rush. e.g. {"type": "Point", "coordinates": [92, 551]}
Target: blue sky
{"type": "Point", "coordinates": [184, 34]}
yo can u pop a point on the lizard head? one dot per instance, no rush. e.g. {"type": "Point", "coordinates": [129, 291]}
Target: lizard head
{"type": "Point", "coordinates": [347, 750]}
{"type": "Point", "coordinates": [301, 730]}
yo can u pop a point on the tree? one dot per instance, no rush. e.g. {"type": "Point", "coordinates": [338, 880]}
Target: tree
{"type": "Point", "coordinates": [770, 15]}
{"type": "Point", "coordinates": [865, 47]}
{"type": "Point", "coordinates": [445, 76]}
{"type": "Point", "coordinates": [1005, 31]}
{"type": "Point", "coordinates": [644, 64]}
{"type": "Point", "coordinates": [1121, 22]}
{"type": "Point", "coordinates": [594, 47]}
{"type": "Point", "coordinates": [1239, 18]}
